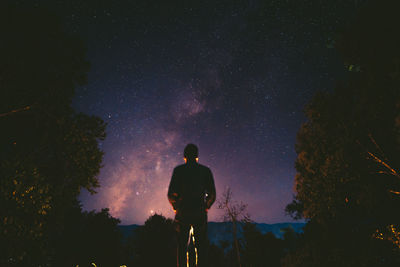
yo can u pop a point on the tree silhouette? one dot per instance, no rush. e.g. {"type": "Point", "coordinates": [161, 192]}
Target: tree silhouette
{"type": "Point", "coordinates": [48, 151]}
{"type": "Point", "coordinates": [235, 213]}
{"type": "Point", "coordinates": [154, 243]}
{"type": "Point", "coordinates": [216, 256]}
{"type": "Point", "coordinates": [346, 180]}
{"type": "Point", "coordinates": [88, 237]}
{"type": "Point", "coordinates": [261, 249]}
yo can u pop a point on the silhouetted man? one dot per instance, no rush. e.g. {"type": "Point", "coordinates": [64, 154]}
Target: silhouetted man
{"type": "Point", "coordinates": [191, 193]}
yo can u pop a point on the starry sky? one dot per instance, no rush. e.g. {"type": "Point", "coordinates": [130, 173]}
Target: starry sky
{"type": "Point", "coordinates": [230, 76]}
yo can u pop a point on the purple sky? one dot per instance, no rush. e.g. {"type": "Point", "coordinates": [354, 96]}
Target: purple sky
{"type": "Point", "coordinates": [231, 78]}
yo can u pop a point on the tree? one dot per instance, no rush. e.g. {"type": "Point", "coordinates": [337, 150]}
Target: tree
{"type": "Point", "coordinates": [88, 237]}
{"type": "Point", "coordinates": [347, 150]}
{"type": "Point", "coordinates": [235, 213]}
{"type": "Point", "coordinates": [48, 151]}
{"type": "Point", "coordinates": [216, 256]}
{"type": "Point", "coordinates": [261, 249]}
{"type": "Point", "coordinates": [154, 243]}
{"type": "Point", "coordinates": [345, 129]}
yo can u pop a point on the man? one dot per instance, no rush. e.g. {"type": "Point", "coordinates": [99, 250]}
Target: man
{"type": "Point", "coordinates": [191, 193]}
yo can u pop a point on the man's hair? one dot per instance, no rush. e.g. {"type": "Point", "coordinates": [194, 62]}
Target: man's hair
{"type": "Point", "coordinates": [191, 151]}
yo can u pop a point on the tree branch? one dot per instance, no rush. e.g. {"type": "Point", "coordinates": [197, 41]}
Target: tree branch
{"type": "Point", "coordinates": [16, 111]}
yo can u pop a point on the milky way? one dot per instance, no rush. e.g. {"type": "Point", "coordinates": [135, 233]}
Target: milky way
{"type": "Point", "coordinates": [231, 78]}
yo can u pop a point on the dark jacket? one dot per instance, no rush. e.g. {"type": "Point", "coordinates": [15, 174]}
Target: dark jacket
{"type": "Point", "coordinates": [191, 190]}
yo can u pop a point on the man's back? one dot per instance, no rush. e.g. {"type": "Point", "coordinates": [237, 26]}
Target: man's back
{"type": "Point", "coordinates": [191, 191]}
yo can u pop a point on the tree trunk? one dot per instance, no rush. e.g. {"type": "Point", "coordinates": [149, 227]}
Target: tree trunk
{"type": "Point", "coordinates": [235, 241]}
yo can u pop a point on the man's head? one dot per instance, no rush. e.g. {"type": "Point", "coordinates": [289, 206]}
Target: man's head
{"type": "Point", "coordinates": [191, 153]}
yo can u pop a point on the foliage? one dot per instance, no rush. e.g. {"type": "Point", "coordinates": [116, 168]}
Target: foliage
{"type": "Point", "coordinates": [154, 243]}
{"type": "Point", "coordinates": [88, 237]}
{"type": "Point", "coordinates": [347, 165]}
{"type": "Point", "coordinates": [48, 152]}
{"type": "Point", "coordinates": [261, 249]}
{"type": "Point", "coordinates": [216, 256]}
{"type": "Point", "coordinates": [336, 171]}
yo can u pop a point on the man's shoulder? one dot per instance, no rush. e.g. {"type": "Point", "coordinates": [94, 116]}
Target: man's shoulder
{"type": "Point", "coordinates": [179, 167]}
{"type": "Point", "coordinates": [198, 165]}
{"type": "Point", "coordinates": [204, 167]}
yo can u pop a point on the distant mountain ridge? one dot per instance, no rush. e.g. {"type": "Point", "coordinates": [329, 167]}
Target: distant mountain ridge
{"type": "Point", "coordinates": [221, 231]}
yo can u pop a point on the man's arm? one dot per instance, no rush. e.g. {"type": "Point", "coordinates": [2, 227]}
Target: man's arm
{"type": "Point", "coordinates": [173, 195]}
{"type": "Point", "coordinates": [210, 191]}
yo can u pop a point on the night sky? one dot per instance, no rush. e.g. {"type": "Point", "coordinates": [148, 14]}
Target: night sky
{"type": "Point", "coordinates": [231, 78]}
